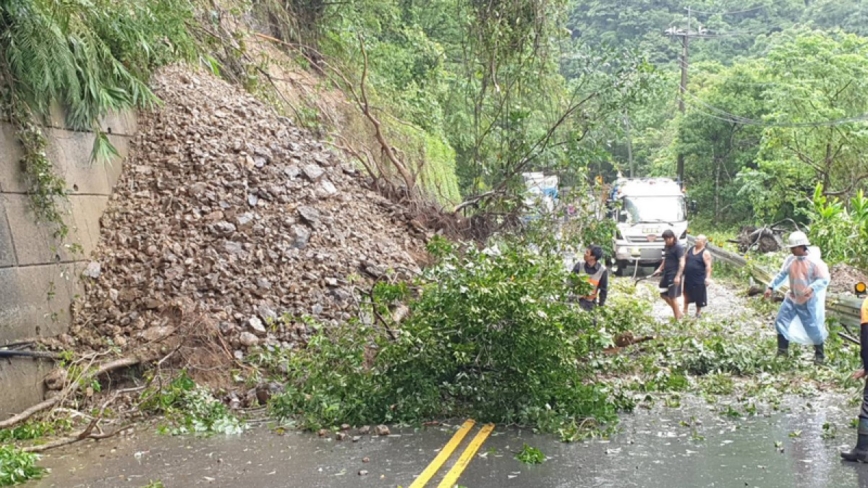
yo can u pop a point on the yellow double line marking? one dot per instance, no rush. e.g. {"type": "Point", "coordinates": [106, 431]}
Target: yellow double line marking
{"type": "Point", "coordinates": [452, 476]}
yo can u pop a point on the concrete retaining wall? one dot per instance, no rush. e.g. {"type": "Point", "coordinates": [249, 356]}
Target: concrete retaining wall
{"type": "Point", "coordinates": [39, 276]}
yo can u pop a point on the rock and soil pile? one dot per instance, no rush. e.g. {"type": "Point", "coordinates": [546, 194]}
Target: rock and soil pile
{"type": "Point", "coordinates": [227, 218]}
{"type": "Point", "coordinates": [844, 276]}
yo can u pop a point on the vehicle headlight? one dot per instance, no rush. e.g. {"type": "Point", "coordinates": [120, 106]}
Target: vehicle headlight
{"type": "Point", "coordinates": [618, 235]}
{"type": "Point", "coordinates": [683, 235]}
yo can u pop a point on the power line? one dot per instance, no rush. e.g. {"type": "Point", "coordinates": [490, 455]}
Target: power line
{"type": "Point", "coordinates": [719, 77]}
{"type": "Point", "coordinates": [731, 12]}
{"type": "Point", "coordinates": [725, 116]}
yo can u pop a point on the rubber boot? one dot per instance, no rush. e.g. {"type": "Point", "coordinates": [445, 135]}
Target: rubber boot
{"type": "Point", "coordinates": [860, 452]}
{"type": "Point", "coordinates": [819, 356]}
{"type": "Point", "coordinates": [783, 346]}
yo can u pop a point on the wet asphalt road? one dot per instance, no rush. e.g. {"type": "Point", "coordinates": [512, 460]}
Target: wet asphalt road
{"type": "Point", "coordinates": [660, 448]}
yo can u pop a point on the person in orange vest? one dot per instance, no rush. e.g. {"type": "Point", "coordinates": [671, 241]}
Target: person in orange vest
{"type": "Point", "coordinates": [596, 274]}
{"type": "Point", "coordinates": [860, 452]}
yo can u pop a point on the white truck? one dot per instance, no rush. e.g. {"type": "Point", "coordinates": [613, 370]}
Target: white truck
{"type": "Point", "coordinates": [643, 208]}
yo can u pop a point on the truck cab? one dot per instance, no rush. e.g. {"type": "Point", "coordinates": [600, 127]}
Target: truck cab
{"type": "Point", "coordinates": [643, 208]}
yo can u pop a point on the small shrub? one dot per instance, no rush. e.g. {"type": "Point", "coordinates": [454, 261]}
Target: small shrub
{"type": "Point", "coordinates": [17, 466]}
{"type": "Point", "coordinates": [839, 228]}
{"type": "Point", "coordinates": [530, 455]}
{"type": "Point", "coordinates": [34, 430]}
{"type": "Point", "coordinates": [191, 409]}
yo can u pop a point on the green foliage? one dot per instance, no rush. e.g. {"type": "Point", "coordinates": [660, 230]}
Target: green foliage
{"type": "Point", "coordinates": [840, 231]}
{"type": "Point", "coordinates": [33, 430]}
{"type": "Point", "coordinates": [759, 89]}
{"type": "Point", "coordinates": [816, 76]}
{"type": "Point", "coordinates": [602, 233]}
{"type": "Point", "coordinates": [88, 58]}
{"type": "Point", "coordinates": [154, 484]}
{"type": "Point", "coordinates": [433, 155]}
{"type": "Point", "coordinates": [484, 85]}
{"type": "Point", "coordinates": [190, 409]}
{"type": "Point", "coordinates": [530, 455]}
{"type": "Point", "coordinates": [715, 150]}
{"type": "Point", "coordinates": [17, 466]}
{"type": "Point", "coordinates": [490, 335]}
{"type": "Point", "coordinates": [719, 355]}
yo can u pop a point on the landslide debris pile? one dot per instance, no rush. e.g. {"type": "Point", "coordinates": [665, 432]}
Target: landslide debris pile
{"type": "Point", "coordinates": [227, 210]}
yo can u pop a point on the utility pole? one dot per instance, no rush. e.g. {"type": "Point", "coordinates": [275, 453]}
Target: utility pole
{"type": "Point", "coordinates": [629, 142]}
{"type": "Point", "coordinates": [685, 36]}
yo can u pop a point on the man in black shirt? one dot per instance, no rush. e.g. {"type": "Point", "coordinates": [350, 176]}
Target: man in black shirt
{"type": "Point", "coordinates": [672, 269]}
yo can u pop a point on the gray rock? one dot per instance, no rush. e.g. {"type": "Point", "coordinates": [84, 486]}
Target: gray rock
{"type": "Point", "coordinates": [322, 159]}
{"type": "Point", "coordinates": [375, 270]}
{"type": "Point", "coordinates": [313, 172]}
{"type": "Point", "coordinates": [233, 247]}
{"type": "Point", "coordinates": [197, 189]}
{"type": "Point", "coordinates": [248, 340]}
{"type": "Point", "coordinates": [224, 228]}
{"type": "Point", "coordinates": [310, 215]}
{"type": "Point", "coordinates": [245, 221]}
{"type": "Point", "coordinates": [156, 333]}
{"type": "Point", "coordinates": [328, 187]}
{"type": "Point", "coordinates": [255, 325]}
{"type": "Point", "coordinates": [341, 295]}
{"type": "Point", "coordinates": [291, 171]}
{"type": "Point", "coordinates": [300, 235]}
{"type": "Point", "coordinates": [252, 200]}
{"type": "Point", "coordinates": [365, 430]}
{"type": "Point", "coordinates": [263, 283]}
{"type": "Point", "coordinates": [93, 270]}
{"type": "Point", "coordinates": [266, 313]}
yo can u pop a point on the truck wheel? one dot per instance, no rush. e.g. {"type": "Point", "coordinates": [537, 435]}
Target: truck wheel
{"type": "Point", "coordinates": [620, 267]}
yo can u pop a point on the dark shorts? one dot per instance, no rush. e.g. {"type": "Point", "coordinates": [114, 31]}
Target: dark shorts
{"type": "Point", "coordinates": [668, 288]}
{"type": "Point", "coordinates": [696, 293]}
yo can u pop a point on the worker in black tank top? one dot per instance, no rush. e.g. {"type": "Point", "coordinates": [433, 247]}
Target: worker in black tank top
{"type": "Point", "coordinates": [697, 275]}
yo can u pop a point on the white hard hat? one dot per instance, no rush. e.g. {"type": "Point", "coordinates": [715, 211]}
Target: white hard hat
{"type": "Point", "coordinates": [798, 239]}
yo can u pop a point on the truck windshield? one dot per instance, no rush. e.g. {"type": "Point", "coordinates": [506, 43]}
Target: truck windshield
{"type": "Point", "coordinates": [655, 209]}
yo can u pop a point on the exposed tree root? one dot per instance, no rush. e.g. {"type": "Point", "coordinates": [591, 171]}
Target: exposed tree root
{"type": "Point", "coordinates": [69, 389]}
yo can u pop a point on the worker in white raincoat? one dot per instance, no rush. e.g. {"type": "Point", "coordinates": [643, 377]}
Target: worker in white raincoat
{"type": "Point", "coordinates": [802, 316]}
